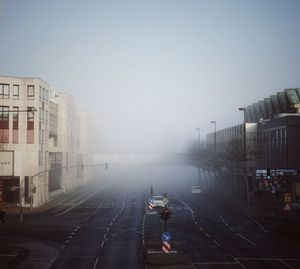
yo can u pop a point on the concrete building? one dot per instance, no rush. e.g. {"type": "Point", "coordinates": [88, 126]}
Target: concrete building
{"type": "Point", "coordinates": [38, 138]}
{"type": "Point", "coordinates": [271, 134]}
{"type": "Point", "coordinates": [233, 154]}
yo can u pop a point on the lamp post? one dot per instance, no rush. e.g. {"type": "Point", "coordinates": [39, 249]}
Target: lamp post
{"type": "Point", "coordinates": [199, 145]}
{"type": "Point", "coordinates": [215, 151]}
{"type": "Point", "coordinates": [244, 131]}
{"type": "Point", "coordinates": [199, 148]}
{"type": "Point", "coordinates": [215, 137]}
{"type": "Point", "coordinates": [245, 156]}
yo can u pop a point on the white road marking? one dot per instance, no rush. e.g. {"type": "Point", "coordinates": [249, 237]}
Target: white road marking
{"type": "Point", "coordinates": [80, 202]}
{"type": "Point", "coordinates": [216, 242]}
{"type": "Point", "coordinates": [96, 262]}
{"type": "Point", "coordinates": [190, 209]}
{"type": "Point", "coordinates": [240, 264]}
{"type": "Point", "coordinates": [286, 264]}
{"type": "Point", "coordinates": [207, 234]}
{"type": "Point", "coordinates": [246, 239]}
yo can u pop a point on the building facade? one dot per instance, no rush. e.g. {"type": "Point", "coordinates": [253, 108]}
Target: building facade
{"type": "Point", "coordinates": [271, 134]}
{"type": "Point", "coordinates": [38, 136]}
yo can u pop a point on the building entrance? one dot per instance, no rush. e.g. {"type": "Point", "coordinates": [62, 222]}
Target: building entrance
{"type": "Point", "coordinates": [9, 190]}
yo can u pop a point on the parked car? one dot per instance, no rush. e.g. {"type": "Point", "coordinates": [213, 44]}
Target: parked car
{"type": "Point", "coordinates": [196, 189]}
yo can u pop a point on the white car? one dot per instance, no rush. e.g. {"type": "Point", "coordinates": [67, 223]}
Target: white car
{"type": "Point", "coordinates": [158, 201]}
{"type": "Point", "coordinates": [196, 189]}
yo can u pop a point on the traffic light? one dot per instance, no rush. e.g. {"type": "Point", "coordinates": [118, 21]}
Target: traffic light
{"type": "Point", "coordinates": [269, 173]}
{"type": "Point", "coordinates": [165, 214]}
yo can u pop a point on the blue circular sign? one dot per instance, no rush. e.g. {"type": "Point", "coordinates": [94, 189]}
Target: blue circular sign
{"type": "Point", "coordinates": [166, 236]}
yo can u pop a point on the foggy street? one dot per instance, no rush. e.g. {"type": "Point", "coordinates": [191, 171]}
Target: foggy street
{"type": "Point", "coordinates": [108, 224]}
{"type": "Point", "coordinates": [160, 134]}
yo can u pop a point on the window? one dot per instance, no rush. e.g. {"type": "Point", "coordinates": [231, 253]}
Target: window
{"type": "Point", "coordinates": [4, 113]}
{"type": "Point", "coordinates": [30, 92]}
{"type": "Point", "coordinates": [15, 113]}
{"type": "Point", "coordinates": [16, 92]}
{"type": "Point", "coordinates": [15, 137]}
{"type": "Point", "coordinates": [30, 125]}
{"type": "Point", "coordinates": [4, 124]}
{"type": "Point", "coordinates": [4, 91]}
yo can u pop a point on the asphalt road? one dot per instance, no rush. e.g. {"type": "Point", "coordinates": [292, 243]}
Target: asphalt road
{"type": "Point", "coordinates": [107, 224]}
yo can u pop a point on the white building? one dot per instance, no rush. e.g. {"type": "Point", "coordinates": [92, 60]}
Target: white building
{"type": "Point", "coordinates": [38, 138]}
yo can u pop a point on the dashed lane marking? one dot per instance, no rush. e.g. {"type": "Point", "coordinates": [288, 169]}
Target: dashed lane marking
{"type": "Point", "coordinates": [80, 202]}
{"type": "Point", "coordinates": [246, 239]}
{"type": "Point", "coordinates": [96, 262]}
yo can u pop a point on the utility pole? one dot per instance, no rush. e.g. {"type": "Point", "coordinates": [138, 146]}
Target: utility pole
{"type": "Point", "coordinates": [199, 141]}
{"type": "Point", "coordinates": [245, 157]}
{"type": "Point", "coordinates": [215, 151]}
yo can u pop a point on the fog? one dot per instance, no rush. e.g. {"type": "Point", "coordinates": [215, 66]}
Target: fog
{"type": "Point", "coordinates": [164, 179]}
{"type": "Point", "coordinates": [151, 72]}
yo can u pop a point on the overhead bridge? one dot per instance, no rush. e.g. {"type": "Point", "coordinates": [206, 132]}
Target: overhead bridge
{"type": "Point", "coordinates": [141, 159]}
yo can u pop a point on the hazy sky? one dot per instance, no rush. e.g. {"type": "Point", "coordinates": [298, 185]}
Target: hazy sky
{"type": "Point", "coordinates": [150, 72]}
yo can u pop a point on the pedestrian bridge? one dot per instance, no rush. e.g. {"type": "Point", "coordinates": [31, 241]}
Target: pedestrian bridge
{"type": "Point", "coordinates": [141, 158]}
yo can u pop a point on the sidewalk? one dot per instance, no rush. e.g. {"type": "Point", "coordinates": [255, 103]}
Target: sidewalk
{"type": "Point", "coordinates": [270, 213]}
{"type": "Point", "coordinates": [10, 256]}
{"type": "Point", "coordinates": [18, 252]}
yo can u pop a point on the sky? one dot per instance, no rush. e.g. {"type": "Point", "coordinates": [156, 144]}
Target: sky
{"type": "Point", "coordinates": [151, 72]}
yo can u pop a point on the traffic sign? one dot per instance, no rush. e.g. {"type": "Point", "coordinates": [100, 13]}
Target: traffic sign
{"type": "Point", "coordinates": [166, 236]}
{"type": "Point", "coordinates": [150, 205]}
{"type": "Point", "coordinates": [166, 247]}
{"type": "Point", "coordinates": [287, 207]}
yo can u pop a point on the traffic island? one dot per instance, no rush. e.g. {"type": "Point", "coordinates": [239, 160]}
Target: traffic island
{"type": "Point", "coordinates": [10, 256]}
{"type": "Point", "coordinates": [155, 257]}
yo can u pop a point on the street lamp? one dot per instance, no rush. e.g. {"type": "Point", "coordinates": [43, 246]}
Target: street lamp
{"type": "Point", "coordinates": [244, 132]}
{"type": "Point", "coordinates": [215, 151]}
{"type": "Point", "coordinates": [245, 155]}
{"type": "Point", "coordinates": [215, 136]}
{"type": "Point", "coordinates": [198, 130]}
